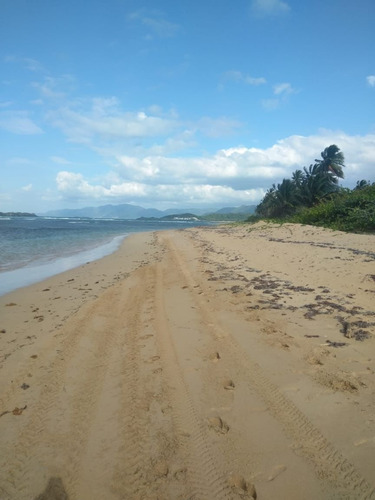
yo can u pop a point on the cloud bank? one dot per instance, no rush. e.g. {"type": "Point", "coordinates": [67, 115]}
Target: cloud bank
{"type": "Point", "coordinates": [234, 175]}
{"type": "Point", "coordinates": [154, 157]}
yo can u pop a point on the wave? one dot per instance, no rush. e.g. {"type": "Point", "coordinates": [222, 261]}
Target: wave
{"type": "Point", "coordinates": [33, 273]}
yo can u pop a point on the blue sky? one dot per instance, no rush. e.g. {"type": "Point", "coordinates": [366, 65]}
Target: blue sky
{"type": "Point", "coordinates": [179, 103]}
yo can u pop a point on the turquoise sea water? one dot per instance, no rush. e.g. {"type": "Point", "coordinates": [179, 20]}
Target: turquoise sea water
{"type": "Point", "coordinates": [34, 248]}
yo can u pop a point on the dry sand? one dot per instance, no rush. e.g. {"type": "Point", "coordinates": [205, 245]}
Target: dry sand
{"type": "Point", "coordinates": [208, 363]}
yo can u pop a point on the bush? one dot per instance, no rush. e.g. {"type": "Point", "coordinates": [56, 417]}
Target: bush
{"type": "Point", "coordinates": [346, 211]}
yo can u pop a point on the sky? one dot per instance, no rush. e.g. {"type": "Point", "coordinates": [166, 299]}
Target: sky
{"type": "Point", "coordinates": [174, 104]}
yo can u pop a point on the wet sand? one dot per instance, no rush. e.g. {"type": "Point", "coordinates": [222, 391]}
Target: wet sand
{"type": "Point", "coordinates": [207, 363]}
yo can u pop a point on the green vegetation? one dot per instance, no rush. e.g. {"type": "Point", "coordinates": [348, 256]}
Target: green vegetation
{"type": "Point", "coordinates": [347, 211]}
{"type": "Point", "coordinates": [172, 217]}
{"type": "Point", "coordinates": [221, 217]}
{"type": "Point", "coordinates": [313, 196]}
{"type": "Point", "coordinates": [214, 217]}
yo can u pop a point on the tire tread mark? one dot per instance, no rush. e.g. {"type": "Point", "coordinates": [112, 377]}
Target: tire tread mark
{"type": "Point", "coordinates": [128, 479]}
{"type": "Point", "coordinates": [329, 463]}
{"type": "Point", "coordinates": [205, 477]}
{"type": "Point", "coordinates": [29, 450]}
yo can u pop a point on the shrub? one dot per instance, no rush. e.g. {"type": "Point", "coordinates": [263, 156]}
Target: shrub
{"type": "Point", "coordinates": [346, 211]}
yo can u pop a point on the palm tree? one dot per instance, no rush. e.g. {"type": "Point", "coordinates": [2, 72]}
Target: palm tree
{"type": "Point", "coordinates": [297, 178]}
{"type": "Point", "coordinates": [286, 197]}
{"type": "Point", "coordinates": [279, 200]}
{"type": "Point", "coordinates": [316, 185]}
{"type": "Point", "coordinates": [265, 207]}
{"type": "Point", "coordinates": [362, 184]}
{"type": "Point", "coordinates": [332, 162]}
{"type": "Point", "coordinates": [307, 187]}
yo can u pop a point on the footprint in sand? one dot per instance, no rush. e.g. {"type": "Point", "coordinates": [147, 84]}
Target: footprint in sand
{"type": "Point", "coordinates": [214, 357]}
{"type": "Point", "coordinates": [242, 487]}
{"type": "Point", "coordinates": [276, 471]}
{"type": "Point", "coordinates": [218, 425]}
{"type": "Point", "coordinates": [180, 474]}
{"type": "Point", "coordinates": [161, 469]}
{"type": "Point", "coordinates": [229, 385]}
{"type": "Point", "coordinates": [54, 491]}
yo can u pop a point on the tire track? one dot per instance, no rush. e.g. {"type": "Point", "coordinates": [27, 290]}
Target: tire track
{"type": "Point", "coordinates": [130, 477]}
{"type": "Point", "coordinates": [104, 333]}
{"type": "Point", "coordinates": [330, 465]}
{"type": "Point", "coordinates": [53, 439]}
{"type": "Point", "coordinates": [205, 476]}
{"type": "Point", "coordinates": [27, 456]}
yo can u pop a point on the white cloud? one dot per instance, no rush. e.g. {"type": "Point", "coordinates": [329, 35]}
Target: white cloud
{"type": "Point", "coordinates": [74, 186]}
{"type": "Point", "coordinates": [181, 141]}
{"type": "Point", "coordinates": [233, 175]}
{"type": "Point", "coordinates": [226, 166]}
{"type": "Point", "coordinates": [71, 183]}
{"type": "Point", "coordinates": [54, 88]}
{"type": "Point", "coordinates": [283, 88]}
{"type": "Point", "coordinates": [282, 91]}
{"type": "Point", "coordinates": [270, 104]}
{"type": "Point", "coordinates": [27, 188]}
{"type": "Point", "coordinates": [30, 63]}
{"type": "Point", "coordinates": [270, 7]}
{"type": "Point", "coordinates": [217, 127]}
{"type": "Point", "coordinates": [238, 76]}
{"type": "Point", "coordinates": [255, 81]}
{"type": "Point", "coordinates": [60, 160]}
{"type": "Point", "coordinates": [155, 22]}
{"type": "Point", "coordinates": [102, 125]}
{"type": "Point", "coordinates": [105, 121]}
{"type": "Point", "coordinates": [161, 27]}
{"type": "Point", "coordinates": [18, 122]}
{"type": "Point", "coordinates": [371, 80]}
{"type": "Point", "coordinates": [33, 65]}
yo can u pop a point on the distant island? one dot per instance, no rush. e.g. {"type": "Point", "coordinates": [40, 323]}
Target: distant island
{"type": "Point", "coordinates": [135, 212]}
{"type": "Point", "coordinates": [17, 214]}
{"type": "Point", "coordinates": [128, 211]}
{"type": "Point", "coordinates": [174, 217]}
{"type": "Point", "coordinates": [211, 217]}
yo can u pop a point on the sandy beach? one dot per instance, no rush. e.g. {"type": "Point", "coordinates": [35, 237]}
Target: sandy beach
{"type": "Point", "coordinates": [229, 362]}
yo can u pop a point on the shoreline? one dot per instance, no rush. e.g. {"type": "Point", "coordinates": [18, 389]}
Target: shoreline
{"type": "Point", "coordinates": [247, 352]}
{"type": "Point", "coordinates": [53, 259]}
{"type": "Point", "coordinates": [38, 271]}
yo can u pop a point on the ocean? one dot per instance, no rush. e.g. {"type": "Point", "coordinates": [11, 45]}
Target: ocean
{"type": "Point", "coordinates": [34, 248]}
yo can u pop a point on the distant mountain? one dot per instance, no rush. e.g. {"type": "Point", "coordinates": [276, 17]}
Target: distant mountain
{"type": "Point", "coordinates": [124, 211]}
{"type": "Point", "coordinates": [127, 211]}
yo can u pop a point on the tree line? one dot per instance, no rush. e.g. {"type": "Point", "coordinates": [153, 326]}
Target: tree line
{"type": "Point", "coordinates": [313, 196]}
